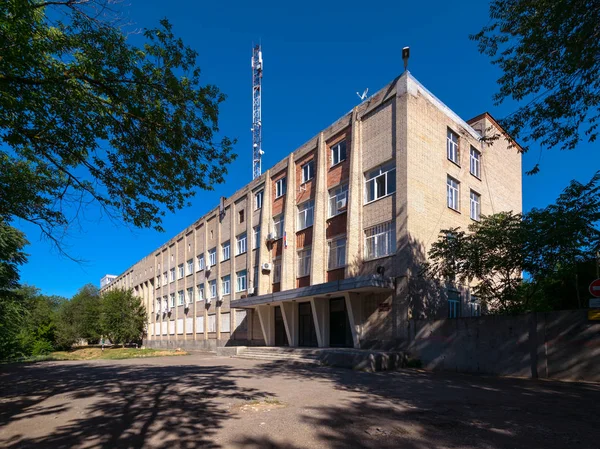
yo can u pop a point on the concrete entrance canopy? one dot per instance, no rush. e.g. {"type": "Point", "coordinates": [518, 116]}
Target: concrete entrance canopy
{"type": "Point", "coordinates": [318, 296]}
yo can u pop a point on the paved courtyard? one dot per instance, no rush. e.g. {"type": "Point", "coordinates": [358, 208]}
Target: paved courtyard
{"type": "Point", "coordinates": [213, 402]}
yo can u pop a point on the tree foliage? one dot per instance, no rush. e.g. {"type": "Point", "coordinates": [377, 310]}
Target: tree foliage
{"type": "Point", "coordinates": [12, 255]}
{"type": "Point", "coordinates": [79, 318]}
{"type": "Point", "coordinates": [549, 54]}
{"type": "Point", "coordinates": [123, 317]}
{"type": "Point", "coordinates": [520, 262]}
{"type": "Point", "coordinates": [86, 116]}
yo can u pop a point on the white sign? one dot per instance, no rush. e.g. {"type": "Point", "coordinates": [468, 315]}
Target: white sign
{"type": "Point", "coordinates": [594, 303]}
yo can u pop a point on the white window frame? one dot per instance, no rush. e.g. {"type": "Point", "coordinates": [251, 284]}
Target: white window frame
{"type": "Point", "coordinates": [241, 244]}
{"type": "Point", "coordinates": [226, 285]}
{"type": "Point", "coordinates": [190, 295]}
{"type": "Point", "coordinates": [453, 193]}
{"type": "Point", "coordinates": [475, 162]}
{"type": "Point", "coordinates": [200, 290]}
{"type": "Point", "coordinates": [337, 194]}
{"type": "Point", "coordinates": [180, 298]}
{"type": "Point", "coordinates": [336, 253]}
{"type": "Point", "coordinates": [200, 261]}
{"type": "Point", "coordinates": [276, 270]}
{"type": "Point", "coordinates": [158, 279]}
{"type": "Point", "coordinates": [475, 205]}
{"type": "Point", "coordinates": [454, 304]}
{"type": "Point", "coordinates": [241, 281]}
{"type": "Point", "coordinates": [278, 226]}
{"type": "Point", "coordinates": [171, 300]}
{"type": "Point", "coordinates": [380, 240]}
{"type": "Point", "coordinates": [212, 257]}
{"type": "Point", "coordinates": [190, 266]}
{"type": "Point", "coordinates": [180, 271]}
{"type": "Point", "coordinates": [306, 214]}
{"type": "Point", "coordinates": [474, 306]}
{"type": "Point", "coordinates": [256, 237]}
{"type": "Point", "coordinates": [380, 178]}
{"type": "Point", "coordinates": [304, 261]}
{"type": "Point", "coordinates": [165, 278]}
{"type": "Point", "coordinates": [225, 250]}
{"type": "Point", "coordinates": [280, 187]}
{"type": "Point", "coordinates": [452, 146]}
{"type": "Point", "coordinates": [172, 274]}
{"type": "Point", "coordinates": [258, 199]}
{"type": "Point", "coordinates": [212, 285]}
{"type": "Point", "coordinates": [336, 153]}
{"type": "Point", "coordinates": [308, 171]}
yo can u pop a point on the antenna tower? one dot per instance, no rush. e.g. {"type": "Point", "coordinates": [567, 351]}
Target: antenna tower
{"type": "Point", "coordinates": [257, 71]}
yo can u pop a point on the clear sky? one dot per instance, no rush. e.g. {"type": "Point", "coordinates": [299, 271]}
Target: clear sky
{"type": "Point", "coordinates": [317, 55]}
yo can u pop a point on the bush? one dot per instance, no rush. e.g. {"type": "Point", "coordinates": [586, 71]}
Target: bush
{"type": "Point", "coordinates": [41, 347]}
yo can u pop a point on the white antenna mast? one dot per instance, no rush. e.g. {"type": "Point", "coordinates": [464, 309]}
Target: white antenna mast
{"type": "Point", "coordinates": [364, 94]}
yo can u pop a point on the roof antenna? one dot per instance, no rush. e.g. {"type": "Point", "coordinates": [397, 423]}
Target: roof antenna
{"type": "Point", "coordinates": [364, 94]}
{"type": "Point", "coordinates": [405, 56]}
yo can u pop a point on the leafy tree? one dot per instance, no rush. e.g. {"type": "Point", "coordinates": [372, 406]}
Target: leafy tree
{"type": "Point", "coordinates": [79, 318]}
{"type": "Point", "coordinates": [549, 54]}
{"type": "Point", "coordinates": [553, 247]}
{"type": "Point", "coordinates": [85, 116]}
{"type": "Point", "coordinates": [38, 331]}
{"type": "Point", "coordinates": [12, 256]}
{"type": "Point", "coordinates": [123, 317]}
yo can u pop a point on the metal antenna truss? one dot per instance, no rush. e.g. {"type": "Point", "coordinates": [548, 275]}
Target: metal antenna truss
{"type": "Point", "coordinates": [257, 71]}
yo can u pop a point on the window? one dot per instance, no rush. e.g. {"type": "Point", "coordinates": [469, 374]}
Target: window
{"type": "Point", "coordinates": [280, 185]}
{"type": "Point", "coordinates": [240, 244]}
{"type": "Point", "coordinates": [190, 266]}
{"type": "Point", "coordinates": [212, 257]}
{"type": "Point", "coordinates": [213, 288]}
{"type": "Point", "coordinates": [158, 305]}
{"type": "Point", "coordinates": [475, 205]}
{"type": "Point", "coordinates": [200, 261]}
{"type": "Point", "coordinates": [338, 200]}
{"type": "Point", "coordinates": [475, 162]}
{"type": "Point", "coordinates": [241, 281]}
{"type": "Point", "coordinates": [225, 251]}
{"type": "Point", "coordinates": [165, 278]}
{"type": "Point", "coordinates": [226, 285]}
{"type": "Point", "coordinates": [452, 189]}
{"type": "Point", "coordinates": [190, 295]}
{"type": "Point", "coordinates": [308, 171]}
{"type": "Point", "coordinates": [475, 306]}
{"type": "Point", "coordinates": [200, 289]}
{"type": "Point", "coordinates": [380, 182]}
{"type": "Point", "coordinates": [241, 216]}
{"type": "Point", "coordinates": [306, 214]}
{"type": "Point", "coordinates": [180, 298]}
{"type": "Point", "coordinates": [166, 303]}
{"type": "Point", "coordinates": [338, 153]}
{"type": "Point", "coordinates": [380, 240]}
{"type": "Point", "coordinates": [172, 300]}
{"type": "Point", "coordinates": [452, 146]}
{"type": "Point", "coordinates": [276, 270]}
{"type": "Point", "coordinates": [258, 199]}
{"type": "Point", "coordinates": [337, 253]}
{"type": "Point", "coordinates": [304, 262]}
{"type": "Point", "coordinates": [180, 272]}
{"type": "Point", "coordinates": [158, 281]}
{"type": "Point", "coordinates": [255, 279]}
{"type": "Point", "coordinates": [256, 237]}
{"type": "Point", "coordinates": [453, 304]}
{"type": "Point", "coordinates": [278, 226]}
{"type": "Point", "coordinates": [172, 273]}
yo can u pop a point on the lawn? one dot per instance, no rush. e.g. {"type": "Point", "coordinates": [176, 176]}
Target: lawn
{"type": "Point", "coordinates": [89, 353]}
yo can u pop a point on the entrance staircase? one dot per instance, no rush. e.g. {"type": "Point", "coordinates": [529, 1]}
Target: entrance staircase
{"type": "Point", "coordinates": [306, 356]}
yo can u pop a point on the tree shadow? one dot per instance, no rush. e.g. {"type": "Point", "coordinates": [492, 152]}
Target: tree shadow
{"type": "Point", "coordinates": [117, 405]}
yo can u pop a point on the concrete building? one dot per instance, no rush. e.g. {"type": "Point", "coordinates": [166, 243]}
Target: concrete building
{"type": "Point", "coordinates": [325, 248]}
{"type": "Point", "coordinates": [107, 279]}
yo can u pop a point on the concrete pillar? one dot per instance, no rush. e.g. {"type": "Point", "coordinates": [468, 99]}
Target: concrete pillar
{"type": "Point", "coordinates": [288, 258]}
{"type": "Point", "coordinates": [267, 323]}
{"type": "Point", "coordinates": [320, 309]}
{"type": "Point", "coordinates": [266, 226]}
{"type": "Point", "coordinates": [219, 258]}
{"type": "Point", "coordinates": [355, 200]}
{"type": "Point", "coordinates": [289, 310]}
{"type": "Point", "coordinates": [319, 245]}
{"type": "Point", "coordinates": [353, 307]}
{"type": "Point", "coordinates": [206, 286]}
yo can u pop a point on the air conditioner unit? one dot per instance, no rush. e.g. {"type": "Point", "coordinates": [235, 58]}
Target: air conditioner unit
{"type": "Point", "coordinates": [208, 267]}
{"type": "Point", "coordinates": [266, 266]}
{"type": "Point", "coordinates": [208, 300]}
{"type": "Point", "coordinates": [341, 204]}
{"type": "Point", "coordinates": [251, 290]}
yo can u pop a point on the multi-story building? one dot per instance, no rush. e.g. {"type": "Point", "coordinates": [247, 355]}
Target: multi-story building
{"type": "Point", "coordinates": [107, 279]}
{"type": "Point", "coordinates": [326, 247]}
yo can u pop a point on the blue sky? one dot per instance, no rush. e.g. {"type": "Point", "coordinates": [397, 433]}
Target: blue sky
{"type": "Point", "coordinates": [317, 55]}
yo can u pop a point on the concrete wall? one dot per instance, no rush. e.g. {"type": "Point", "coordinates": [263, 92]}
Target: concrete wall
{"type": "Point", "coordinates": [559, 345]}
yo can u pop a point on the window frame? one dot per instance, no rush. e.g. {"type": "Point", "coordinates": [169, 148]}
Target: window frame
{"type": "Point", "coordinates": [455, 196]}
{"type": "Point", "coordinates": [226, 250]}
{"type": "Point", "coordinates": [190, 297]}
{"type": "Point", "coordinates": [241, 241]}
{"type": "Point", "coordinates": [242, 274]}
{"type": "Point", "coordinates": [212, 254]}
{"type": "Point", "coordinates": [200, 291]}
{"type": "Point", "coordinates": [338, 191]}
{"type": "Point", "coordinates": [171, 300]}
{"type": "Point", "coordinates": [281, 223]}
{"type": "Point", "coordinates": [190, 263]}
{"type": "Point", "coordinates": [226, 282]}
{"type": "Point", "coordinates": [280, 187]}
{"type": "Point", "coordinates": [200, 262]}
{"type": "Point", "coordinates": [383, 232]}
{"type": "Point", "coordinates": [308, 170]}
{"type": "Point", "coordinates": [475, 162]}
{"type": "Point", "coordinates": [454, 305]}
{"type": "Point", "coordinates": [172, 275]}
{"type": "Point", "coordinates": [304, 261]}
{"type": "Point", "coordinates": [180, 298]}
{"type": "Point", "coordinates": [473, 194]}
{"type": "Point", "coordinates": [384, 171]}
{"type": "Point", "coordinates": [276, 270]}
{"type": "Point", "coordinates": [212, 285]}
{"type": "Point", "coordinates": [306, 210]}
{"type": "Point", "coordinates": [258, 199]}
{"type": "Point", "coordinates": [453, 147]}
{"type": "Point", "coordinates": [256, 237]}
{"type": "Point", "coordinates": [335, 150]}
{"type": "Point", "coordinates": [330, 247]}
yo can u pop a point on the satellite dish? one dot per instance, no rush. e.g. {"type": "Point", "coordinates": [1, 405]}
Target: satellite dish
{"type": "Point", "coordinates": [364, 94]}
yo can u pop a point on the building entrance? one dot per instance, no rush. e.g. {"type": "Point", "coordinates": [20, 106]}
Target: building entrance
{"type": "Point", "coordinates": [307, 335]}
{"type": "Point", "coordinates": [339, 326]}
{"type": "Point", "coordinates": [280, 333]}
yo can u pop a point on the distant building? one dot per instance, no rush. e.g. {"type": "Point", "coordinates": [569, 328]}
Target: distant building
{"type": "Point", "coordinates": [107, 279]}
{"type": "Point", "coordinates": [325, 248]}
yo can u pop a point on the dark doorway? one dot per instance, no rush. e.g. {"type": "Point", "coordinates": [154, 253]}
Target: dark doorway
{"type": "Point", "coordinates": [280, 334]}
{"type": "Point", "coordinates": [340, 334]}
{"type": "Point", "coordinates": [307, 335]}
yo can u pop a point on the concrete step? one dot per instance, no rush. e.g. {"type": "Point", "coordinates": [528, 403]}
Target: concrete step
{"type": "Point", "coordinates": [278, 356]}
{"type": "Point", "coordinates": [299, 360]}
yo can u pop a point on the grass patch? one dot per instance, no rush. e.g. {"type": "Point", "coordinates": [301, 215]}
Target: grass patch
{"type": "Point", "coordinates": [107, 354]}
